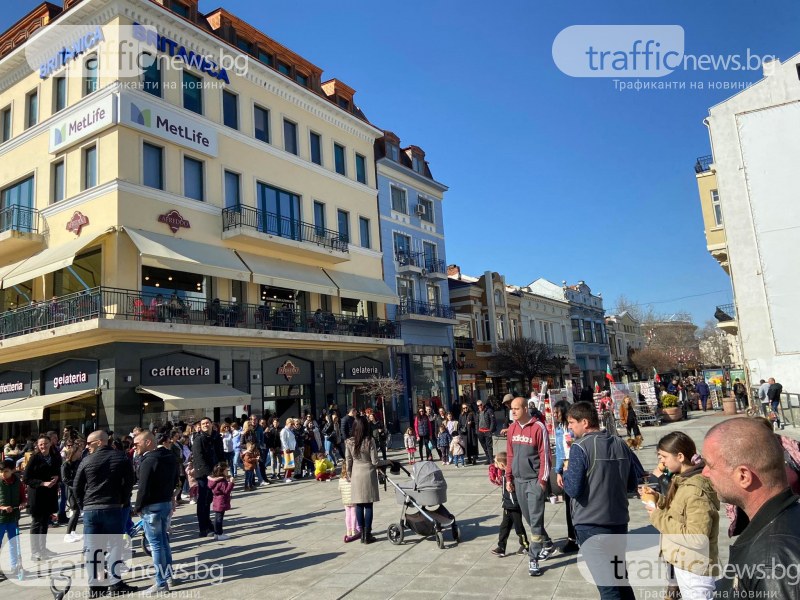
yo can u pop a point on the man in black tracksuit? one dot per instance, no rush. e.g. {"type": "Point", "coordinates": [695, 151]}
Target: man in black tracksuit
{"type": "Point", "coordinates": [204, 459]}
{"type": "Point", "coordinates": [485, 422]}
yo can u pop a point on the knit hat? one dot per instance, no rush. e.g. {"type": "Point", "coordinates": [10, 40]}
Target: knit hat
{"type": "Point", "coordinates": [508, 398]}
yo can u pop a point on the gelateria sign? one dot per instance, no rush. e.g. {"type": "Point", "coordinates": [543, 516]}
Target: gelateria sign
{"type": "Point", "coordinates": [71, 375]}
{"type": "Point", "coordinates": [362, 367]}
{"type": "Point", "coordinates": [84, 122]}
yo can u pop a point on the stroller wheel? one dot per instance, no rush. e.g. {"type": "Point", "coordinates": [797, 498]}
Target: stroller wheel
{"type": "Point", "coordinates": [395, 534]}
{"type": "Point", "coordinates": [440, 540]}
{"type": "Point", "coordinates": [456, 535]}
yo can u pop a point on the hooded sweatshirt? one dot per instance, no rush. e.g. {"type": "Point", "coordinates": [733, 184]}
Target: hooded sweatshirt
{"type": "Point", "coordinates": [528, 449]}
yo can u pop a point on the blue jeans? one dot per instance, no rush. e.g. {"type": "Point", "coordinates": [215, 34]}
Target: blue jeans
{"type": "Point", "coordinates": [775, 404]}
{"type": "Point", "coordinates": [250, 478]}
{"type": "Point", "coordinates": [458, 458]}
{"type": "Point", "coordinates": [12, 530]}
{"type": "Point", "coordinates": [102, 531]}
{"type": "Point", "coordinates": [156, 520]}
{"type": "Point", "coordinates": [329, 450]}
{"type": "Point", "coordinates": [229, 457]}
{"type": "Point", "coordinates": [610, 575]}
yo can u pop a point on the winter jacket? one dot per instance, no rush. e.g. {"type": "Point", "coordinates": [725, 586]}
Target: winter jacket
{"type": "Point", "coordinates": [456, 446]}
{"type": "Point", "coordinates": [410, 442]}
{"type": "Point", "coordinates": [288, 440]}
{"type": "Point", "coordinates": [227, 442]}
{"type": "Point", "coordinates": [485, 420]}
{"type": "Point", "coordinates": [42, 501]}
{"type": "Point", "coordinates": [13, 494]}
{"type": "Point", "coordinates": [221, 490]}
{"type": "Point", "coordinates": [330, 433]}
{"type": "Point", "coordinates": [204, 454]}
{"type": "Point", "coordinates": [272, 437]}
{"type": "Point", "coordinates": [690, 526]}
{"type": "Point", "coordinates": [250, 460]}
{"type": "Point", "coordinates": [422, 426]}
{"type": "Point", "coordinates": [562, 452]}
{"type": "Point", "coordinates": [104, 480]}
{"type": "Point", "coordinates": [509, 499]}
{"type": "Point", "coordinates": [322, 467]}
{"type": "Point", "coordinates": [443, 439]}
{"type": "Point", "coordinates": [528, 450]}
{"type": "Point", "coordinates": [158, 476]}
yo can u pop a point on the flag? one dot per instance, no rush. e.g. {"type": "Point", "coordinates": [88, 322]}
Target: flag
{"type": "Point", "coordinates": [596, 387]}
{"type": "Point", "coordinates": [656, 376]}
{"type": "Point", "coordinates": [609, 376]}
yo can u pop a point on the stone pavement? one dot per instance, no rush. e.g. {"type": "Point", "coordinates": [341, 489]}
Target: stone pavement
{"type": "Point", "coordinates": [286, 542]}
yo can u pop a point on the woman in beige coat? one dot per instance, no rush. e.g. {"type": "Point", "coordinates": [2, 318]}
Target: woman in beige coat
{"type": "Point", "coordinates": [361, 457]}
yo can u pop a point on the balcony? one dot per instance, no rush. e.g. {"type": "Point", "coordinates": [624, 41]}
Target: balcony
{"type": "Point", "coordinates": [726, 318]}
{"type": "Point", "coordinates": [268, 230]}
{"type": "Point", "coordinates": [435, 268]}
{"type": "Point", "coordinates": [558, 349]}
{"type": "Point", "coordinates": [19, 230]}
{"type": "Point", "coordinates": [409, 262]}
{"type": "Point", "coordinates": [703, 164]}
{"type": "Point", "coordinates": [464, 343]}
{"type": "Point", "coordinates": [414, 310]}
{"type": "Point", "coordinates": [162, 317]}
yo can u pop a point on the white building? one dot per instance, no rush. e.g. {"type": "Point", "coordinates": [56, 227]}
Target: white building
{"type": "Point", "coordinates": [625, 337]}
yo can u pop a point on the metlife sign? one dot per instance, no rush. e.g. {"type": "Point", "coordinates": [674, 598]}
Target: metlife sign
{"type": "Point", "coordinates": [85, 122]}
{"type": "Point", "coordinates": [168, 124]}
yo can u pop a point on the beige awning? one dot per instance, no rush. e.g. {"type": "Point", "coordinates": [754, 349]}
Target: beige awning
{"type": "Point", "coordinates": [32, 408]}
{"type": "Point", "coordinates": [183, 397]}
{"type": "Point", "coordinates": [49, 260]}
{"type": "Point", "coordinates": [166, 252]}
{"type": "Point", "coordinates": [363, 288]}
{"type": "Point", "coordinates": [286, 274]}
{"type": "Point", "coordinates": [6, 270]}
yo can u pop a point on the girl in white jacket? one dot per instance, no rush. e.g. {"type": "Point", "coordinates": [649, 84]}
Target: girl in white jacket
{"type": "Point", "coordinates": [288, 443]}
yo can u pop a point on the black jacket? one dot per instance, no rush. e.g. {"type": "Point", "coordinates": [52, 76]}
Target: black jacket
{"type": "Point", "coordinates": [760, 556]}
{"type": "Point", "coordinates": [104, 480]}
{"type": "Point", "coordinates": [204, 455]}
{"type": "Point", "coordinates": [347, 426]}
{"type": "Point", "coordinates": [42, 501]}
{"type": "Point", "coordinates": [158, 476]}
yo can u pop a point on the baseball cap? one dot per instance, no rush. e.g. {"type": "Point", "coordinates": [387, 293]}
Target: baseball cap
{"type": "Point", "coordinates": [508, 398]}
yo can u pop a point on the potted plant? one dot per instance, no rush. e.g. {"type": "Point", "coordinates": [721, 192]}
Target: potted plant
{"type": "Point", "coordinates": [670, 409]}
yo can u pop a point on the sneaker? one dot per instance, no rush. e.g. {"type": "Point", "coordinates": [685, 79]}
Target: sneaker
{"type": "Point", "coordinates": [192, 501]}
{"type": "Point", "coordinates": [71, 538]}
{"type": "Point", "coordinates": [155, 590]}
{"type": "Point", "coordinates": [546, 551]}
{"type": "Point", "coordinates": [522, 550]}
{"type": "Point", "coordinates": [533, 568]}
{"type": "Point", "coordinates": [287, 480]}
{"type": "Point", "coordinates": [570, 547]}
{"type": "Point", "coordinates": [121, 588]}
{"type": "Point", "coordinates": [211, 534]}
{"type": "Point", "coordinates": [499, 552]}
{"type": "Point", "coordinates": [222, 537]}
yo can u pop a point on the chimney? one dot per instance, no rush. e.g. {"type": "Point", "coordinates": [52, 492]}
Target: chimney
{"type": "Point", "coordinates": [454, 271]}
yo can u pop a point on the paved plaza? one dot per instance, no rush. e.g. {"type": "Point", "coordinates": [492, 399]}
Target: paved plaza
{"type": "Point", "coordinates": [286, 542]}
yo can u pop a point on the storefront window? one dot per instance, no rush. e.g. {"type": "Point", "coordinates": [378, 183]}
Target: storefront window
{"type": "Point", "coordinates": [81, 414]}
{"type": "Point", "coordinates": [84, 273]}
{"type": "Point", "coordinates": [428, 380]}
{"type": "Point", "coordinates": [352, 307]}
{"type": "Point", "coordinates": [189, 287]}
{"type": "Point", "coordinates": [285, 401]}
{"type": "Point", "coordinates": [275, 297]}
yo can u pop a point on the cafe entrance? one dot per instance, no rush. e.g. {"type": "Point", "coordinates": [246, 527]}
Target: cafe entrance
{"type": "Point", "coordinates": [288, 389]}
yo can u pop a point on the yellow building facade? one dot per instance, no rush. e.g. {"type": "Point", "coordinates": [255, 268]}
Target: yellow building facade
{"type": "Point", "coordinates": [181, 239]}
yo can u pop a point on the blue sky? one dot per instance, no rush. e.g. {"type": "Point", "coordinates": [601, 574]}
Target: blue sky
{"type": "Point", "coordinates": [550, 176]}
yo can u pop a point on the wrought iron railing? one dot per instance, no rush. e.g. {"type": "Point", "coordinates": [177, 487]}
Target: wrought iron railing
{"type": "Point", "coordinates": [409, 259]}
{"type": "Point", "coordinates": [464, 343]}
{"type": "Point", "coordinates": [725, 312]}
{"type": "Point", "coordinates": [19, 218]}
{"type": "Point", "coordinates": [271, 223]}
{"type": "Point", "coordinates": [703, 164]}
{"type": "Point", "coordinates": [165, 308]}
{"type": "Point", "coordinates": [429, 309]}
{"type": "Point", "coordinates": [558, 349]}
{"type": "Point", "coordinates": [434, 265]}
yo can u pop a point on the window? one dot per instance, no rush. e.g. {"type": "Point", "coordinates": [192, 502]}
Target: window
{"type": "Point", "coordinates": [151, 74]}
{"type": "Point", "coordinates": [59, 93]}
{"type": "Point", "coordinates": [89, 167]}
{"type": "Point", "coordinates": [501, 327]}
{"type": "Point", "coordinates": [261, 120]}
{"type": "Point", "coordinates": [343, 218]}
{"type": "Point", "coordinates": [426, 214]}
{"type": "Point", "coordinates": [418, 164]}
{"type": "Point", "coordinates": [31, 109]}
{"type": "Point", "coordinates": [399, 203]}
{"type": "Point", "coordinates": [316, 148]}
{"type": "Point", "coordinates": [405, 289]}
{"type": "Point", "coordinates": [716, 207]}
{"type": "Point", "coordinates": [5, 123]}
{"type": "Point", "coordinates": [290, 136]}
{"type": "Point", "coordinates": [282, 211]}
{"type": "Point", "coordinates": [153, 166]}
{"type": "Point", "coordinates": [434, 294]}
{"type": "Point", "coordinates": [90, 69]}
{"type": "Point", "coordinates": [301, 79]}
{"type": "Point", "coordinates": [577, 332]}
{"type": "Point", "coordinates": [363, 226]}
{"type": "Point", "coordinates": [284, 68]}
{"type": "Point", "coordinates": [192, 93]}
{"type": "Point", "coordinates": [588, 331]}
{"type": "Point", "coordinates": [598, 333]}
{"type": "Point", "coordinates": [361, 169]}
{"type": "Point", "coordinates": [338, 159]}
{"type": "Point", "coordinates": [230, 109]}
{"type": "Point", "coordinates": [232, 189]}
{"type": "Point", "coordinates": [319, 217]}
{"type": "Point", "coordinates": [265, 57]}
{"type": "Point", "coordinates": [393, 151]}
{"type": "Point", "coordinates": [243, 44]}
{"type": "Point", "coordinates": [429, 251]}
{"type": "Point", "coordinates": [402, 246]}
{"type": "Point", "coordinates": [58, 181]}
{"type": "Point", "coordinates": [179, 8]}
{"type": "Point", "coordinates": [498, 298]}
{"type": "Point", "coordinates": [193, 178]}
{"type": "Point", "coordinates": [18, 195]}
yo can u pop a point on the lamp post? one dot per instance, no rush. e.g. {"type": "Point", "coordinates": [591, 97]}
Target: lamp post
{"type": "Point", "coordinates": [618, 367]}
{"type": "Point", "coordinates": [446, 365]}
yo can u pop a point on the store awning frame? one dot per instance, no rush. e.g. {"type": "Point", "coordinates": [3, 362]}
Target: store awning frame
{"type": "Point", "coordinates": [284, 274]}
{"type": "Point", "coordinates": [363, 288]}
{"type": "Point", "coordinates": [32, 407]}
{"type": "Point", "coordinates": [208, 395]}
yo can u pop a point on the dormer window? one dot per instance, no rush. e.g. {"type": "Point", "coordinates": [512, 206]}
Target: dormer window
{"type": "Point", "coordinates": [284, 68]}
{"type": "Point", "coordinates": [179, 8]}
{"type": "Point", "coordinates": [243, 44]}
{"type": "Point", "coordinates": [418, 164]}
{"type": "Point", "coordinates": [393, 151]}
{"type": "Point", "coordinates": [301, 79]}
{"type": "Point", "coordinates": [344, 103]}
{"type": "Point", "coordinates": [265, 57]}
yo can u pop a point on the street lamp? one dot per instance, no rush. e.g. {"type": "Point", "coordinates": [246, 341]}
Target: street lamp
{"type": "Point", "coordinates": [618, 367]}
{"type": "Point", "coordinates": [446, 364]}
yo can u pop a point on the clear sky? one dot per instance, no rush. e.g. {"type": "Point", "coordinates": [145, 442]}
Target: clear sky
{"type": "Point", "coordinates": [549, 175]}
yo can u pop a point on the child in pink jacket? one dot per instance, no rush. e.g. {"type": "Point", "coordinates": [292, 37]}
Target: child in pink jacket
{"type": "Point", "coordinates": [221, 485]}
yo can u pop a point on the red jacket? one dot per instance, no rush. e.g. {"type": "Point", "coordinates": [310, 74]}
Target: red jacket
{"type": "Point", "coordinates": [528, 450]}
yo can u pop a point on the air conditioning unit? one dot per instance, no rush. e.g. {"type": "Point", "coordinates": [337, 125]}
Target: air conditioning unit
{"type": "Point", "coordinates": [420, 210]}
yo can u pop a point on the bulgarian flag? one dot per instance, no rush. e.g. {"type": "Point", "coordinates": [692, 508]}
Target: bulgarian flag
{"type": "Point", "coordinates": [596, 387]}
{"type": "Point", "coordinates": [656, 376]}
{"type": "Point", "coordinates": [609, 376]}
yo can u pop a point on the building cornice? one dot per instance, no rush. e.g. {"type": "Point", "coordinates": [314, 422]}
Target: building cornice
{"type": "Point", "coordinates": [395, 166]}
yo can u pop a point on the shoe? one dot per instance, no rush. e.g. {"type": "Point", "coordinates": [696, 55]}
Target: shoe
{"type": "Point", "coordinates": [71, 538]}
{"type": "Point", "coordinates": [118, 589]}
{"type": "Point", "coordinates": [351, 538]}
{"type": "Point", "coordinates": [192, 501]}
{"type": "Point", "coordinates": [533, 568]}
{"type": "Point", "coordinates": [155, 590]}
{"type": "Point", "coordinates": [367, 533]}
{"type": "Point", "coordinates": [546, 551]}
{"type": "Point", "coordinates": [48, 554]}
{"type": "Point", "coordinates": [203, 535]}
{"type": "Point", "coordinates": [570, 547]}
{"type": "Point", "coordinates": [522, 550]}
{"type": "Point", "coordinates": [211, 534]}
{"type": "Point", "coordinates": [287, 480]}
{"type": "Point", "coordinates": [98, 592]}
{"type": "Point", "coordinates": [498, 552]}
{"type": "Point", "coordinates": [222, 537]}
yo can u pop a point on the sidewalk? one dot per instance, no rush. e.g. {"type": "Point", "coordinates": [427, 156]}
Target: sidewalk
{"type": "Point", "coordinates": [286, 542]}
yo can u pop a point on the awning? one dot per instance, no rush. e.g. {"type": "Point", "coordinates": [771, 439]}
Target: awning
{"type": "Point", "coordinates": [363, 288]}
{"type": "Point", "coordinates": [210, 395]}
{"type": "Point", "coordinates": [167, 252]}
{"type": "Point", "coordinates": [8, 269]}
{"type": "Point", "coordinates": [32, 409]}
{"type": "Point", "coordinates": [48, 260]}
{"type": "Point", "coordinates": [284, 274]}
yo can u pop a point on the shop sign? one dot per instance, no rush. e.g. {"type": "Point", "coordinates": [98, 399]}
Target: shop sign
{"type": "Point", "coordinates": [362, 368]}
{"type": "Point", "coordinates": [73, 375]}
{"type": "Point", "coordinates": [287, 369]}
{"type": "Point", "coordinates": [168, 124]}
{"type": "Point", "coordinates": [174, 220]}
{"type": "Point", "coordinates": [14, 385]}
{"type": "Point", "coordinates": [66, 54]}
{"type": "Point", "coordinates": [178, 368]}
{"type": "Point", "coordinates": [83, 123]}
{"type": "Point", "coordinates": [77, 222]}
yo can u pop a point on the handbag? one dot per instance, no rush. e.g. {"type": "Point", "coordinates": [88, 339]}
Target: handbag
{"type": "Point", "coordinates": [430, 445]}
{"type": "Point", "coordinates": [288, 460]}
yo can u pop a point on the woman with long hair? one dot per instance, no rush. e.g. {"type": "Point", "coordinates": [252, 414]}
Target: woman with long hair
{"type": "Point", "coordinates": [468, 432]}
{"type": "Point", "coordinates": [687, 517]}
{"type": "Point", "coordinates": [563, 439]}
{"type": "Point", "coordinates": [361, 459]}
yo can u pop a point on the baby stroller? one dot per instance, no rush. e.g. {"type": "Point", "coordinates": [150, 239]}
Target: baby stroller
{"type": "Point", "coordinates": [427, 493]}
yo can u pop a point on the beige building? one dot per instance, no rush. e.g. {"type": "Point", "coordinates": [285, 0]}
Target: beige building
{"type": "Point", "coordinates": [625, 338]}
{"type": "Point", "coordinates": [188, 226]}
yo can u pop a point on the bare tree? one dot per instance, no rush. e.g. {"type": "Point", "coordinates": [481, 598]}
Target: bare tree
{"type": "Point", "coordinates": [648, 359]}
{"type": "Point", "coordinates": [522, 358]}
{"type": "Point", "coordinates": [714, 346]}
{"type": "Point", "coordinates": [385, 387]}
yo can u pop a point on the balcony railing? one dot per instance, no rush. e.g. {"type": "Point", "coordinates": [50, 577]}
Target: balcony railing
{"type": "Point", "coordinates": [292, 229]}
{"type": "Point", "coordinates": [725, 312]}
{"type": "Point", "coordinates": [19, 218]}
{"type": "Point", "coordinates": [434, 265]}
{"type": "Point", "coordinates": [703, 164]}
{"type": "Point", "coordinates": [558, 349]}
{"type": "Point", "coordinates": [464, 343]}
{"type": "Point", "coordinates": [103, 302]}
{"type": "Point", "coordinates": [410, 259]}
{"type": "Point", "coordinates": [428, 309]}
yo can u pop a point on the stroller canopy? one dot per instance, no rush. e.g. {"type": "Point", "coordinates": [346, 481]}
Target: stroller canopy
{"type": "Point", "coordinates": [428, 476]}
